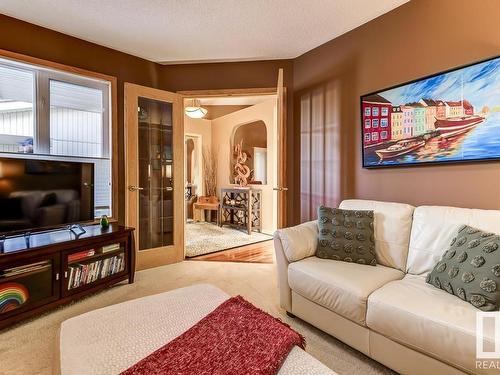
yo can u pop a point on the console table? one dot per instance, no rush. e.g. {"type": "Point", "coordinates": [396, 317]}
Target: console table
{"type": "Point", "coordinates": [46, 269]}
{"type": "Point", "coordinates": [241, 208]}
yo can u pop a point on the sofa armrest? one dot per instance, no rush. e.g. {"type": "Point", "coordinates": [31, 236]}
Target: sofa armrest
{"type": "Point", "coordinates": [299, 242]}
{"type": "Point", "coordinates": [282, 266]}
{"type": "Point", "coordinates": [51, 215]}
{"type": "Point", "coordinates": [293, 244]}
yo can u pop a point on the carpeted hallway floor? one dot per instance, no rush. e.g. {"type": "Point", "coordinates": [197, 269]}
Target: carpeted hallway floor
{"type": "Point", "coordinates": [204, 238]}
{"type": "Point", "coordinates": [29, 348]}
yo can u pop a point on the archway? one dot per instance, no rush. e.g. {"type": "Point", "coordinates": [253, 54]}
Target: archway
{"type": "Point", "coordinates": [253, 137]}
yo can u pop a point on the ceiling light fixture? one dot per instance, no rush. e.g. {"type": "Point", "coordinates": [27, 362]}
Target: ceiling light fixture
{"type": "Point", "coordinates": [195, 110]}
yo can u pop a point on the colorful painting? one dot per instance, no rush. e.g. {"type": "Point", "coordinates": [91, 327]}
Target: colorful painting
{"type": "Point", "coordinates": [452, 116]}
{"type": "Point", "coordinates": [12, 296]}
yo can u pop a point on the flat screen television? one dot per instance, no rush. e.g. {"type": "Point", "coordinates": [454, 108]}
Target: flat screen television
{"type": "Point", "coordinates": [42, 194]}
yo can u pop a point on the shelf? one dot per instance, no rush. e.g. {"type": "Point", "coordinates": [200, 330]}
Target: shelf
{"type": "Point", "coordinates": [95, 269]}
{"type": "Point", "coordinates": [47, 285]}
{"type": "Point", "coordinates": [97, 257]}
{"type": "Point", "coordinates": [24, 274]}
{"type": "Point", "coordinates": [146, 125]}
{"type": "Point", "coordinates": [97, 281]}
{"type": "Point", "coordinates": [237, 208]}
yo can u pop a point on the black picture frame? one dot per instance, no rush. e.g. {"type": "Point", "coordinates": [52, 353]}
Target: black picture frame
{"type": "Point", "coordinates": [366, 165]}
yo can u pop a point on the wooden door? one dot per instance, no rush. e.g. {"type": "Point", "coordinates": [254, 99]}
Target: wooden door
{"type": "Point", "coordinates": [154, 174]}
{"type": "Point", "coordinates": [282, 188]}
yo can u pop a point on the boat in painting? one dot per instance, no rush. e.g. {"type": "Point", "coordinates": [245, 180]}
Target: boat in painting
{"type": "Point", "coordinates": [453, 126]}
{"type": "Point", "coordinates": [400, 148]}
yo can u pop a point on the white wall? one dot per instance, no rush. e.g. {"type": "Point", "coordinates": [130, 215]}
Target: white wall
{"type": "Point", "coordinates": [222, 131]}
{"type": "Point", "coordinates": [203, 129]}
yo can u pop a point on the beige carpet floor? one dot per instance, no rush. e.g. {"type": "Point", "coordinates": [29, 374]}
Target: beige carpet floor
{"type": "Point", "coordinates": [205, 238]}
{"type": "Point", "coordinates": [29, 347]}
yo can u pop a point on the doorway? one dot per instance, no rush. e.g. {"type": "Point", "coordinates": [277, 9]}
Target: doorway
{"type": "Point", "coordinates": [193, 171]}
{"type": "Point", "coordinates": [248, 122]}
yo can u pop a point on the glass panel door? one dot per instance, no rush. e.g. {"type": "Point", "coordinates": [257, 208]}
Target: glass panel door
{"type": "Point", "coordinates": [154, 174]}
{"type": "Point", "coordinates": [155, 168]}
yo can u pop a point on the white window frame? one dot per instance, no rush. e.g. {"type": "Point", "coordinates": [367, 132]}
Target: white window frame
{"type": "Point", "coordinates": [367, 124]}
{"type": "Point", "coordinates": [375, 111]}
{"type": "Point", "coordinates": [368, 111]}
{"type": "Point", "coordinates": [41, 103]}
{"type": "Point", "coordinates": [367, 137]}
{"type": "Point", "coordinates": [384, 109]}
{"type": "Point", "coordinates": [382, 133]}
{"type": "Point", "coordinates": [44, 72]}
{"type": "Point", "coordinates": [384, 121]}
{"type": "Point", "coordinates": [43, 99]}
{"type": "Point", "coordinates": [375, 136]}
{"type": "Point", "coordinates": [375, 123]}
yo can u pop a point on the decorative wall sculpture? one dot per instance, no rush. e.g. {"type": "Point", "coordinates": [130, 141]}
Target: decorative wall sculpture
{"type": "Point", "coordinates": [241, 170]}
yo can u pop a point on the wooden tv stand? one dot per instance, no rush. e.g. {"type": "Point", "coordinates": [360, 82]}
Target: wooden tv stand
{"type": "Point", "coordinates": [47, 269]}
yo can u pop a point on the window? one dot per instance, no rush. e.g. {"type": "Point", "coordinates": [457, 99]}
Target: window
{"type": "Point", "coordinates": [59, 116]}
{"type": "Point", "coordinates": [367, 124]}
{"type": "Point", "coordinates": [384, 123]}
{"type": "Point", "coordinates": [76, 120]}
{"type": "Point", "coordinates": [384, 111]}
{"type": "Point", "coordinates": [383, 134]}
{"type": "Point", "coordinates": [374, 136]}
{"type": "Point", "coordinates": [367, 111]}
{"type": "Point", "coordinates": [367, 137]}
{"type": "Point", "coordinates": [375, 123]}
{"type": "Point", "coordinates": [375, 111]}
{"type": "Point", "coordinates": [17, 88]}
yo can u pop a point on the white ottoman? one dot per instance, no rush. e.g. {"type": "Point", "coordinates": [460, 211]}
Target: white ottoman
{"type": "Point", "coordinates": [111, 339]}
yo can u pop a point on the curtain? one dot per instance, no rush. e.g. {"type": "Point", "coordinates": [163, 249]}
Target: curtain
{"type": "Point", "coordinates": [320, 178]}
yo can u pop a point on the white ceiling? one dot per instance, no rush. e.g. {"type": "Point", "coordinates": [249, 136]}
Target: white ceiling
{"type": "Point", "coordinates": [178, 31]}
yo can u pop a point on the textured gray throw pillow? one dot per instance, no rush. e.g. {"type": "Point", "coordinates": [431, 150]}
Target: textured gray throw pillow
{"type": "Point", "coordinates": [470, 268]}
{"type": "Point", "coordinates": [346, 235]}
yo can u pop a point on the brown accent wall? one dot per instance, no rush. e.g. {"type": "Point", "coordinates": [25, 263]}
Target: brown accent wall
{"type": "Point", "coordinates": [419, 38]}
{"type": "Point", "coordinates": [32, 40]}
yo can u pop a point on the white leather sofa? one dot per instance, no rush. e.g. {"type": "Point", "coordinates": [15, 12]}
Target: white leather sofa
{"type": "Point", "coordinates": [388, 312]}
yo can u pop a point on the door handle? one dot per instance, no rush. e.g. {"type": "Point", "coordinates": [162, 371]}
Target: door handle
{"type": "Point", "coordinates": [134, 188]}
{"type": "Point", "coordinates": [279, 188]}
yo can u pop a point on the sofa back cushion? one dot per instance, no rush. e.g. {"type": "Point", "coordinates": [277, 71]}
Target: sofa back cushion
{"type": "Point", "coordinates": [435, 226]}
{"type": "Point", "coordinates": [392, 226]}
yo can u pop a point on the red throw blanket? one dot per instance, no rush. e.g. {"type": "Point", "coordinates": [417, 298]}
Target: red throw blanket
{"type": "Point", "coordinates": [235, 338]}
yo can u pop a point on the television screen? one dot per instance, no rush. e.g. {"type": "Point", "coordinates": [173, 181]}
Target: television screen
{"type": "Point", "coordinates": [37, 194]}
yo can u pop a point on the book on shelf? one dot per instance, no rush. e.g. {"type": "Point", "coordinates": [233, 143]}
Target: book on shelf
{"type": "Point", "coordinates": [81, 255]}
{"type": "Point", "coordinates": [82, 274]}
{"type": "Point", "coordinates": [110, 248]}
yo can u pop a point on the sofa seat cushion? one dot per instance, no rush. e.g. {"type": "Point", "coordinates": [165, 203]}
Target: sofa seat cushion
{"type": "Point", "coordinates": [341, 287]}
{"type": "Point", "coordinates": [427, 319]}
